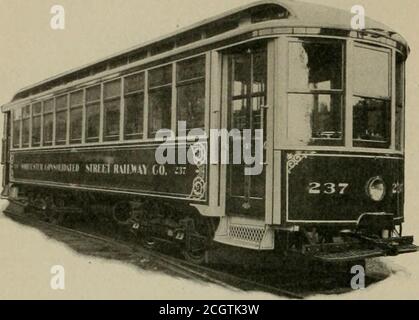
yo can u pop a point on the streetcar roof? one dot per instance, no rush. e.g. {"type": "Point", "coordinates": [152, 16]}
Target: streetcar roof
{"type": "Point", "coordinates": [290, 14]}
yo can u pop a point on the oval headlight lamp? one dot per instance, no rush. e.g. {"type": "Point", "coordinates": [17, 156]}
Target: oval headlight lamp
{"type": "Point", "coordinates": [376, 189]}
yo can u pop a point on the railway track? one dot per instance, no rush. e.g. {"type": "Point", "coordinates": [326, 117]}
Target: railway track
{"type": "Point", "coordinates": [133, 253]}
{"type": "Point", "coordinates": [289, 283]}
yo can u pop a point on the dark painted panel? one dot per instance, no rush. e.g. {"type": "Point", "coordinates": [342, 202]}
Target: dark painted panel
{"type": "Point", "coordinates": [131, 169]}
{"type": "Point", "coordinates": [332, 187]}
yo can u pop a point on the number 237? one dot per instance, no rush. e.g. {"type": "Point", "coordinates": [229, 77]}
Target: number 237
{"type": "Point", "coordinates": [327, 188]}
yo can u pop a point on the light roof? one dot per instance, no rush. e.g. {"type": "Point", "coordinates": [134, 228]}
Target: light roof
{"type": "Point", "coordinates": [295, 14]}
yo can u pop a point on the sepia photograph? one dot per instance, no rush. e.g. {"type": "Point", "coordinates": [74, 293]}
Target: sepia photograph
{"type": "Point", "coordinates": [240, 150]}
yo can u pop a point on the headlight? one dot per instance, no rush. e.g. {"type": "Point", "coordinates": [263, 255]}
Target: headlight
{"type": "Point", "coordinates": [376, 189]}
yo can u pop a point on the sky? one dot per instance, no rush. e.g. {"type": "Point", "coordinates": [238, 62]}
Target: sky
{"type": "Point", "coordinates": [31, 51]}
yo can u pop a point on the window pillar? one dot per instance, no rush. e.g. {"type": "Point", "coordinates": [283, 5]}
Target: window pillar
{"type": "Point", "coordinates": [348, 106]}
{"type": "Point", "coordinates": [174, 100]}
{"type": "Point", "coordinates": [146, 109]}
{"type": "Point", "coordinates": [101, 114]}
{"type": "Point", "coordinates": [393, 84]}
{"type": "Point", "coordinates": [54, 122]}
{"type": "Point", "coordinates": [281, 79]}
{"type": "Point", "coordinates": [122, 112]}
{"type": "Point", "coordinates": [68, 120]}
{"type": "Point", "coordinates": [84, 117]}
{"type": "Point", "coordinates": [30, 125]}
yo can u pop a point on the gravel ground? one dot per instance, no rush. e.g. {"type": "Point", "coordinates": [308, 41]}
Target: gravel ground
{"type": "Point", "coordinates": [27, 256]}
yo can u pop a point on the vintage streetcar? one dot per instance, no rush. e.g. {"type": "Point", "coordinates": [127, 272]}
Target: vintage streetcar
{"type": "Point", "coordinates": [330, 101]}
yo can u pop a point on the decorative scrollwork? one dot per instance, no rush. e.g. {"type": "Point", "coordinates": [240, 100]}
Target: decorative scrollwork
{"type": "Point", "coordinates": [293, 160]}
{"type": "Point", "coordinates": [199, 188]}
{"type": "Point", "coordinates": [199, 185]}
{"type": "Point", "coordinates": [199, 152]}
{"type": "Point", "coordinates": [200, 171]}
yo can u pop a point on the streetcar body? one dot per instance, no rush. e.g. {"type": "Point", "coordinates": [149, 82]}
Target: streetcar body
{"type": "Point", "coordinates": [329, 99]}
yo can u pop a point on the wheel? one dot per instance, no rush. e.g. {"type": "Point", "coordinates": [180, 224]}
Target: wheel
{"type": "Point", "coordinates": [197, 249]}
{"type": "Point", "coordinates": [55, 216]}
{"type": "Point", "coordinates": [39, 206]}
{"type": "Point", "coordinates": [122, 213]}
{"type": "Point", "coordinates": [149, 243]}
{"type": "Point", "coordinates": [196, 257]}
{"type": "Point", "coordinates": [138, 216]}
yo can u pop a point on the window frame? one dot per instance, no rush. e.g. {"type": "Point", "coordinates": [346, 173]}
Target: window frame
{"type": "Point", "coordinates": [151, 89]}
{"type": "Point", "coordinates": [281, 83]}
{"type": "Point", "coordinates": [188, 82]}
{"type": "Point", "coordinates": [44, 114]}
{"type": "Point", "coordinates": [336, 143]}
{"type": "Point", "coordinates": [87, 104]}
{"type": "Point", "coordinates": [28, 118]}
{"type": "Point", "coordinates": [402, 129]}
{"type": "Point", "coordinates": [56, 112]}
{"type": "Point", "coordinates": [145, 137]}
{"type": "Point", "coordinates": [125, 95]}
{"type": "Point", "coordinates": [19, 122]}
{"type": "Point", "coordinates": [37, 116]}
{"type": "Point", "coordinates": [250, 94]}
{"type": "Point", "coordinates": [73, 107]}
{"type": "Point", "coordinates": [370, 144]}
{"type": "Point", "coordinates": [370, 47]}
{"type": "Point", "coordinates": [104, 100]}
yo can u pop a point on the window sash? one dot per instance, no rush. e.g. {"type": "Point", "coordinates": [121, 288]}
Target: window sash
{"type": "Point", "coordinates": [154, 75]}
{"type": "Point", "coordinates": [112, 90]}
{"type": "Point", "coordinates": [140, 120]}
{"type": "Point", "coordinates": [36, 128]}
{"type": "Point", "coordinates": [368, 93]}
{"type": "Point", "coordinates": [369, 143]}
{"type": "Point", "coordinates": [141, 83]}
{"type": "Point", "coordinates": [49, 106]}
{"type": "Point", "coordinates": [46, 141]}
{"type": "Point", "coordinates": [110, 106]}
{"type": "Point", "coordinates": [325, 138]}
{"type": "Point", "coordinates": [89, 97]}
{"type": "Point", "coordinates": [76, 114]}
{"type": "Point", "coordinates": [156, 123]}
{"type": "Point", "coordinates": [332, 92]}
{"type": "Point", "coordinates": [26, 133]}
{"type": "Point", "coordinates": [151, 89]}
{"type": "Point", "coordinates": [189, 81]}
{"type": "Point", "coordinates": [184, 84]}
{"type": "Point", "coordinates": [16, 133]}
{"type": "Point", "coordinates": [61, 127]}
{"type": "Point", "coordinates": [59, 107]}
{"type": "Point", "coordinates": [37, 108]}
{"type": "Point", "coordinates": [317, 41]}
{"type": "Point", "coordinates": [386, 96]}
{"type": "Point", "coordinates": [79, 101]}
{"type": "Point", "coordinates": [62, 108]}
{"type": "Point", "coordinates": [348, 93]}
{"type": "Point", "coordinates": [400, 102]}
{"type": "Point", "coordinates": [191, 68]}
{"type": "Point", "coordinates": [26, 112]}
{"type": "Point", "coordinates": [95, 116]}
